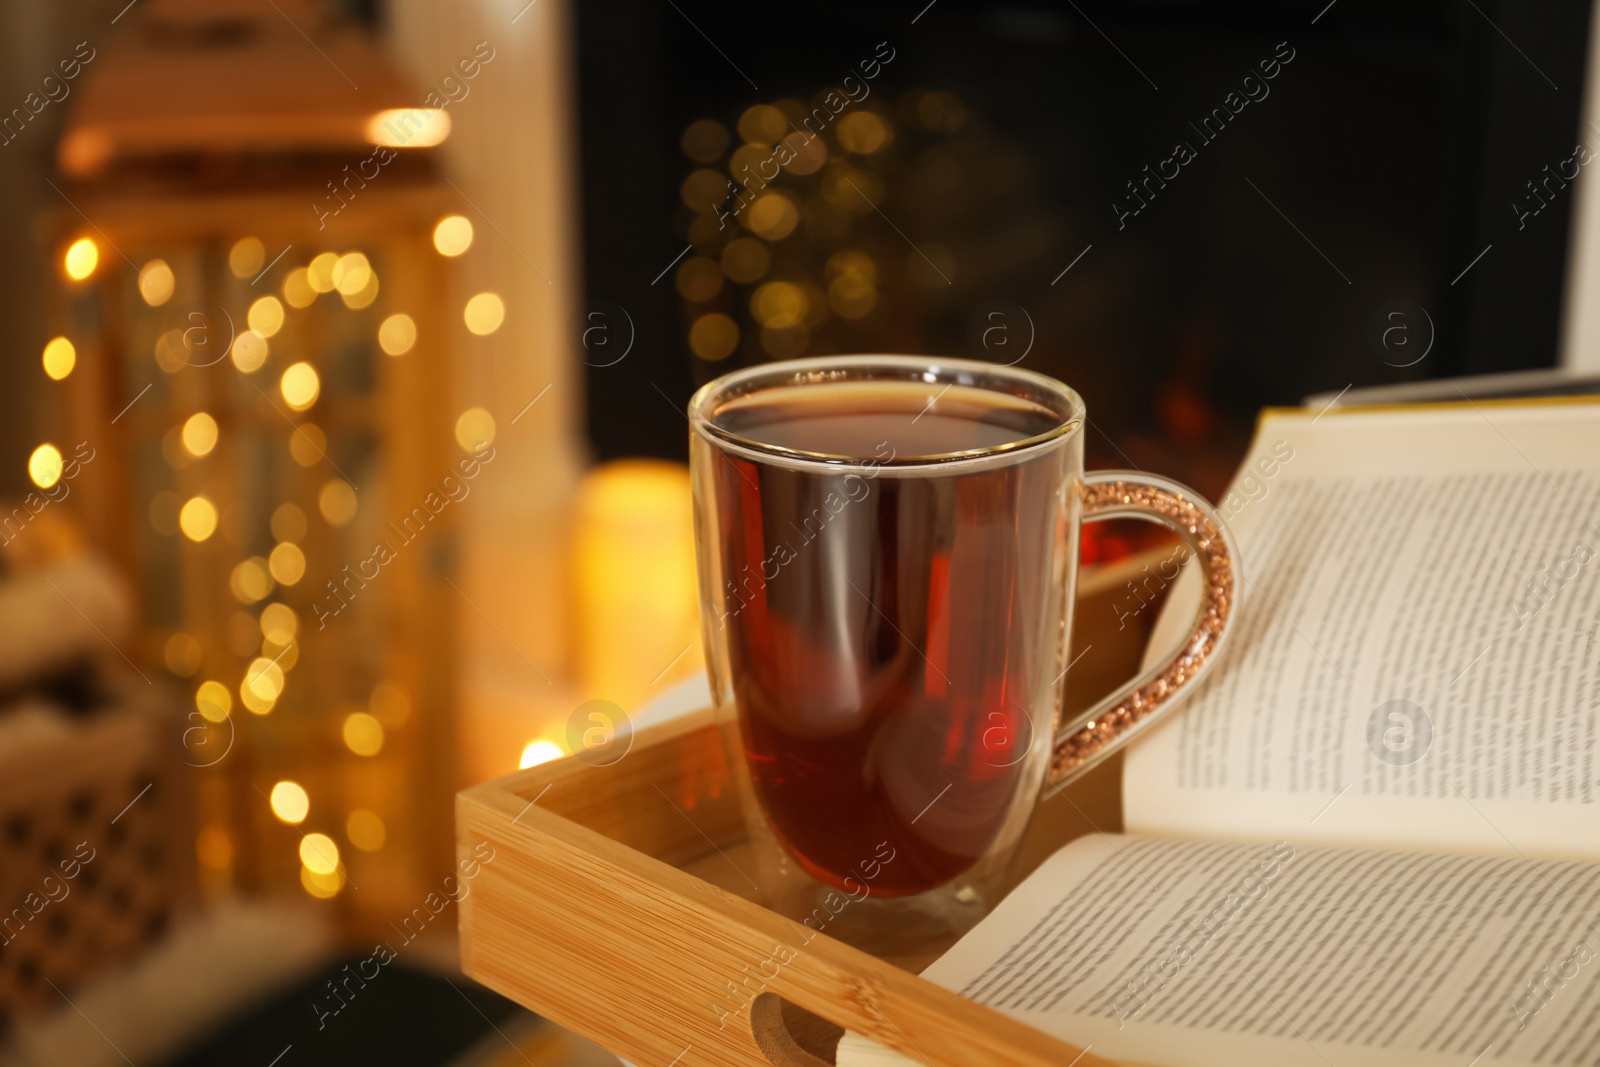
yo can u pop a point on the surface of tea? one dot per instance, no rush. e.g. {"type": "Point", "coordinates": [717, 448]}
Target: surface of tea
{"type": "Point", "coordinates": [851, 419]}
{"type": "Point", "coordinates": [892, 635]}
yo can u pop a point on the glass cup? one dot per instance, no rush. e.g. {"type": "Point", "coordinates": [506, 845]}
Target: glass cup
{"type": "Point", "coordinates": [887, 556]}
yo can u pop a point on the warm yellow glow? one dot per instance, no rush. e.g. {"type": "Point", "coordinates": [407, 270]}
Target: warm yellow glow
{"type": "Point", "coordinates": [778, 304]}
{"type": "Point", "coordinates": [288, 522]}
{"type": "Point", "coordinates": [363, 734]}
{"type": "Point", "coordinates": [181, 652]}
{"type": "Point", "coordinates": [364, 296]}
{"type": "Point", "coordinates": [713, 336]}
{"type": "Point", "coordinates": [636, 605]}
{"type": "Point", "coordinates": [290, 802]}
{"type": "Point", "coordinates": [287, 562]}
{"type": "Point", "coordinates": [474, 429]}
{"type": "Point", "coordinates": [453, 235]}
{"type": "Point", "coordinates": [319, 853]}
{"type": "Point", "coordinates": [409, 127]}
{"type": "Point", "coordinates": [258, 704]}
{"type": "Point", "coordinates": [337, 501]}
{"type": "Point", "coordinates": [772, 216]}
{"type": "Point", "coordinates": [699, 279]}
{"type": "Point", "coordinates": [263, 678]}
{"type": "Point", "coordinates": [351, 273]}
{"type": "Point", "coordinates": [308, 445]}
{"type": "Point", "coordinates": [397, 334]}
{"type": "Point", "coordinates": [285, 655]}
{"type": "Point", "coordinates": [538, 752]}
{"type": "Point", "coordinates": [863, 132]}
{"type": "Point", "coordinates": [266, 316]}
{"type": "Point", "coordinates": [390, 704]}
{"type": "Point", "coordinates": [704, 140]}
{"type": "Point", "coordinates": [59, 358]}
{"type": "Point", "coordinates": [851, 296]}
{"type": "Point", "coordinates": [250, 581]}
{"type": "Point", "coordinates": [199, 434]}
{"type": "Point", "coordinates": [213, 701]}
{"type": "Point", "coordinates": [249, 351]}
{"type": "Point", "coordinates": [484, 313]}
{"type": "Point", "coordinates": [279, 623]}
{"type": "Point", "coordinates": [300, 386]}
{"type": "Point", "coordinates": [297, 291]}
{"type": "Point", "coordinates": [156, 282]}
{"type": "Point", "coordinates": [365, 830]}
{"type": "Point", "coordinates": [321, 886]}
{"type": "Point", "coordinates": [745, 260]}
{"type": "Point", "coordinates": [762, 124]}
{"type": "Point", "coordinates": [81, 259]}
{"type": "Point", "coordinates": [246, 256]}
{"type": "Point", "coordinates": [44, 466]}
{"type": "Point", "coordinates": [319, 272]}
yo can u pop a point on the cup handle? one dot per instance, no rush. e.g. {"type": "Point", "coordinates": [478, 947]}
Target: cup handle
{"type": "Point", "coordinates": [1094, 734]}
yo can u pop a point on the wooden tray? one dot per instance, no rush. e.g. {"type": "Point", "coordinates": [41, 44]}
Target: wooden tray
{"type": "Point", "coordinates": [615, 905]}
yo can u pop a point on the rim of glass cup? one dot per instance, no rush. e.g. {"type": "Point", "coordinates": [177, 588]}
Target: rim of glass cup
{"type": "Point", "coordinates": [710, 398]}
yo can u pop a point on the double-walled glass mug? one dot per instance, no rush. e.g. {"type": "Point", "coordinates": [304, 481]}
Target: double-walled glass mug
{"type": "Point", "coordinates": [888, 554]}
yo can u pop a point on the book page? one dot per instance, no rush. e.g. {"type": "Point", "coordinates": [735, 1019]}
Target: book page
{"type": "Point", "coordinates": [1165, 951]}
{"type": "Point", "coordinates": [1417, 660]}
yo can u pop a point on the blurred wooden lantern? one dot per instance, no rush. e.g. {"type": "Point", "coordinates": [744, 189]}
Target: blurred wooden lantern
{"type": "Point", "coordinates": [252, 335]}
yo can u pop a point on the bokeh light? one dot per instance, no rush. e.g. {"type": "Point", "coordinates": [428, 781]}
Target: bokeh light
{"type": "Point", "coordinates": [319, 853]}
{"type": "Point", "coordinates": [266, 316]}
{"type": "Point", "coordinates": [287, 563]}
{"type": "Point", "coordinates": [713, 336]}
{"type": "Point", "coordinates": [246, 257]}
{"type": "Point", "coordinates": [199, 434]}
{"type": "Point", "coordinates": [59, 358]}
{"type": "Point", "coordinates": [81, 259]}
{"type": "Point", "coordinates": [474, 429]}
{"type": "Point", "coordinates": [337, 502]}
{"type": "Point", "coordinates": [300, 386]}
{"type": "Point", "coordinates": [249, 351]}
{"type": "Point", "coordinates": [290, 802]}
{"type": "Point", "coordinates": [250, 580]}
{"type": "Point", "coordinates": [363, 734]}
{"type": "Point", "coordinates": [452, 235]}
{"type": "Point", "coordinates": [484, 313]}
{"type": "Point", "coordinates": [156, 282]}
{"type": "Point", "coordinates": [198, 518]}
{"type": "Point", "coordinates": [213, 701]}
{"type": "Point", "coordinates": [44, 466]}
{"type": "Point", "coordinates": [365, 830]}
{"type": "Point", "coordinates": [397, 334]}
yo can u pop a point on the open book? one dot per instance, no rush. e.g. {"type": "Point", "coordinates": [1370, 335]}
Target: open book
{"type": "Point", "coordinates": [1373, 836]}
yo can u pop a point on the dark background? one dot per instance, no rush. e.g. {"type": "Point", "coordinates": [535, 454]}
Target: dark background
{"type": "Point", "coordinates": [1394, 142]}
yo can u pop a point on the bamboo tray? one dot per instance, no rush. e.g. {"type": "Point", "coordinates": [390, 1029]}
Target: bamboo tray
{"type": "Point", "coordinates": [614, 905]}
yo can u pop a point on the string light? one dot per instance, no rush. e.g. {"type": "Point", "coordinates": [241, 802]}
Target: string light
{"type": "Point", "coordinates": [453, 235]}
{"type": "Point", "coordinates": [199, 434]}
{"type": "Point", "coordinates": [59, 358]}
{"type": "Point", "coordinates": [265, 316]}
{"type": "Point", "coordinates": [81, 259]}
{"type": "Point", "coordinates": [397, 334]}
{"type": "Point", "coordinates": [363, 734]}
{"type": "Point", "coordinates": [319, 853]}
{"type": "Point", "coordinates": [290, 802]}
{"type": "Point", "coordinates": [474, 429]}
{"type": "Point", "coordinates": [44, 466]}
{"type": "Point", "coordinates": [198, 518]}
{"type": "Point", "coordinates": [484, 313]}
{"type": "Point", "coordinates": [300, 386]}
{"type": "Point", "coordinates": [246, 256]}
{"type": "Point", "coordinates": [213, 701]}
{"type": "Point", "coordinates": [156, 282]}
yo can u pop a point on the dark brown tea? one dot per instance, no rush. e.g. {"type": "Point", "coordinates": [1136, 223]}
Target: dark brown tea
{"type": "Point", "coordinates": [886, 633]}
